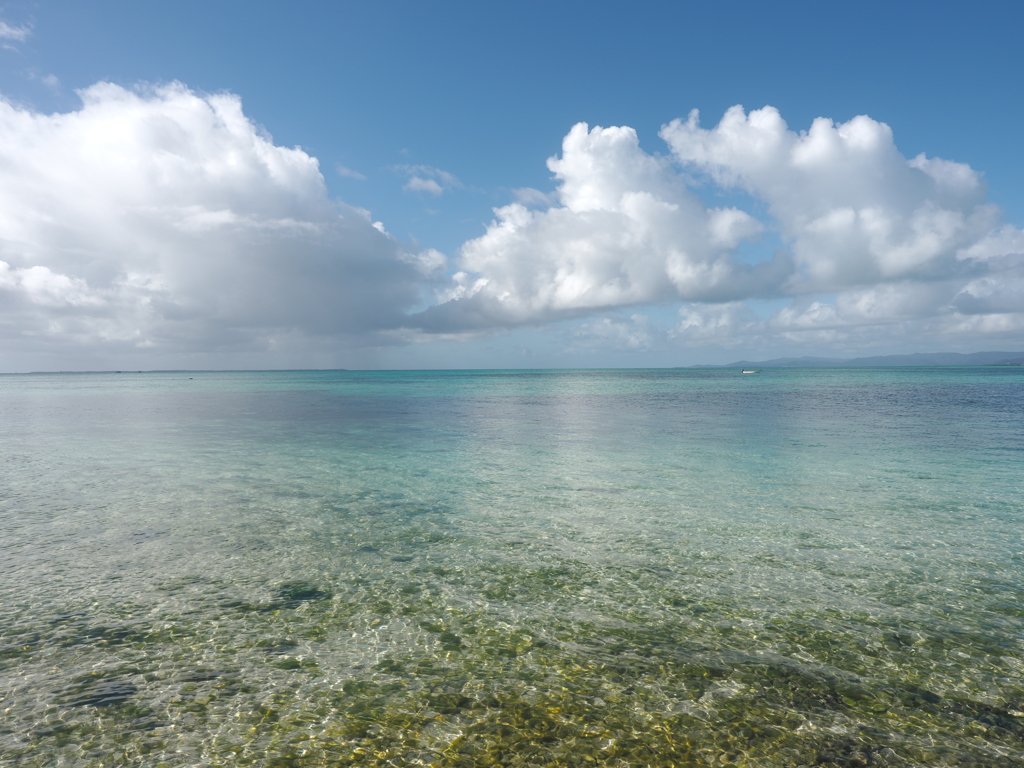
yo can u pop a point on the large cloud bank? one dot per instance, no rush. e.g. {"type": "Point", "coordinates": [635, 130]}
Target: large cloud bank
{"type": "Point", "coordinates": [166, 220]}
{"type": "Point", "coordinates": [895, 241]}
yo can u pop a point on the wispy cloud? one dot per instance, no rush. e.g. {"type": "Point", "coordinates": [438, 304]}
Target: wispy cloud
{"type": "Point", "coordinates": [16, 34]}
{"type": "Point", "coordinates": [419, 184]}
{"type": "Point", "coordinates": [529, 197]}
{"type": "Point", "coordinates": [50, 81]}
{"type": "Point", "coordinates": [349, 173]}
{"type": "Point", "coordinates": [427, 179]}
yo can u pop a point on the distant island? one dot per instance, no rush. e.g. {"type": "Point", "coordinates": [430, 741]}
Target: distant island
{"type": "Point", "coordinates": [937, 359]}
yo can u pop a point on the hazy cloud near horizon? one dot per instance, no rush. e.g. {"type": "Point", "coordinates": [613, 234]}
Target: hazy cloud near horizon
{"type": "Point", "coordinates": [163, 220]}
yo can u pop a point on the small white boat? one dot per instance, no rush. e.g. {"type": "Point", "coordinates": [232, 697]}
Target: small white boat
{"type": "Point", "coordinates": [749, 370]}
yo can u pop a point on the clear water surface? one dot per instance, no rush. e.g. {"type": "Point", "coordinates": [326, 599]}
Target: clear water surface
{"type": "Point", "coordinates": [558, 568]}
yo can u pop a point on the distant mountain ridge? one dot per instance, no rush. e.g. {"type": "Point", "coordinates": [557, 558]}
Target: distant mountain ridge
{"type": "Point", "coordinates": [936, 359]}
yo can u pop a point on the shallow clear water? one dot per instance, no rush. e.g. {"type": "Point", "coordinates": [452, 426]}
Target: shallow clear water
{"type": "Point", "coordinates": [797, 567]}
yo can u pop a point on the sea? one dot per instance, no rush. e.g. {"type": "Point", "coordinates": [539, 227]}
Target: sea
{"type": "Point", "coordinates": [694, 567]}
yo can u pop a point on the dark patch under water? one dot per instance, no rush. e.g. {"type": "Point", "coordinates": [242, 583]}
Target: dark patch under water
{"type": "Point", "coordinates": [102, 693]}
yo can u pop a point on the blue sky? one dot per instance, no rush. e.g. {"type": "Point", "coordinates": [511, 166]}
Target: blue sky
{"type": "Point", "coordinates": [431, 115]}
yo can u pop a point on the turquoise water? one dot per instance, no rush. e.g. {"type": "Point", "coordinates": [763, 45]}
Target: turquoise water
{"type": "Point", "coordinates": [564, 568]}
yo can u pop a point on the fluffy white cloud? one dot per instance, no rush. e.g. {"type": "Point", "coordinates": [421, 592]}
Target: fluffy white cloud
{"type": "Point", "coordinates": [854, 210]}
{"type": "Point", "coordinates": [626, 231]}
{"type": "Point", "coordinates": [872, 240]}
{"type": "Point", "coordinates": [162, 218]}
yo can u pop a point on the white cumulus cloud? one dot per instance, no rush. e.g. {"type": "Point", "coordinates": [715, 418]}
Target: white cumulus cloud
{"type": "Point", "coordinates": [625, 231]}
{"type": "Point", "coordinates": [873, 242]}
{"type": "Point", "coordinates": [163, 218]}
{"type": "Point", "coordinates": [854, 210]}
